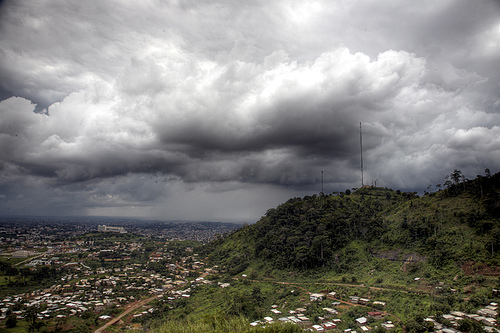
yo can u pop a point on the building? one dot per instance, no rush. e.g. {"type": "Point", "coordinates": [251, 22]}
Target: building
{"type": "Point", "coordinates": [105, 228]}
{"type": "Point", "coordinates": [316, 297]}
{"type": "Point", "coordinates": [22, 254]}
{"type": "Point", "coordinates": [376, 314]}
{"type": "Point", "coordinates": [361, 321]}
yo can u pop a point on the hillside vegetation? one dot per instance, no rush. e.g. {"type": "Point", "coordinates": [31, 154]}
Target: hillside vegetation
{"type": "Point", "coordinates": [457, 224]}
{"type": "Point", "coordinates": [419, 256]}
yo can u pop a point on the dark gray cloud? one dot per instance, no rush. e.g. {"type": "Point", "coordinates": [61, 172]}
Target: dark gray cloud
{"type": "Point", "coordinates": [220, 110]}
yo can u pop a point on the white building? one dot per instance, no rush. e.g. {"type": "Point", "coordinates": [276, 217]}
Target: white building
{"type": "Point", "coordinates": [105, 228]}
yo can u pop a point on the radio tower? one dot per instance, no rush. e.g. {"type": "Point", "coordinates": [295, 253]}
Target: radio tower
{"type": "Point", "coordinates": [361, 150]}
{"type": "Point", "coordinates": [322, 182]}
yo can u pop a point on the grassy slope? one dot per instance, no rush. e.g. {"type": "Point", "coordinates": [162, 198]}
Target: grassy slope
{"type": "Point", "coordinates": [222, 324]}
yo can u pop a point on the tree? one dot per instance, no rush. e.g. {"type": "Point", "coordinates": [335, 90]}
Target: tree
{"type": "Point", "coordinates": [318, 241]}
{"type": "Point", "coordinates": [417, 325]}
{"type": "Point", "coordinates": [487, 172]}
{"type": "Point", "coordinates": [25, 273]}
{"type": "Point", "coordinates": [469, 325]}
{"type": "Point", "coordinates": [456, 176]}
{"type": "Point", "coordinates": [11, 321]}
{"type": "Point", "coordinates": [453, 181]}
{"type": "Point", "coordinates": [4, 266]}
{"type": "Point", "coordinates": [293, 240]}
{"type": "Point", "coordinates": [31, 317]}
{"type": "Point", "coordinates": [11, 271]}
{"type": "Point", "coordinates": [257, 295]}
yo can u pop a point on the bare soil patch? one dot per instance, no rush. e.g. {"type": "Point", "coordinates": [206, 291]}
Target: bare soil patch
{"type": "Point", "coordinates": [475, 268]}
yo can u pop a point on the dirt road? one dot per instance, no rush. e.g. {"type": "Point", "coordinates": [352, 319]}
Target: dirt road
{"type": "Point", "coordinates": [133, 307]}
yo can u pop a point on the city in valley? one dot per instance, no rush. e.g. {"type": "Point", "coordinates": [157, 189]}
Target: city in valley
{"type": "Point", "coordinates": [103, 275]}
{"type": "Point", "coordinates": [67, 273]}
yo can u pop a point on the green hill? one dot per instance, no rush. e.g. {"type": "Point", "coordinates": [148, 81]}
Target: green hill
{"type": "Point", "coordinates": [418, 256]}
{"type": "Point", "coordinates": [458, 224]}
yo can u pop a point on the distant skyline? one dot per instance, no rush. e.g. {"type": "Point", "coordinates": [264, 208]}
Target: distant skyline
{"type": "Point", "coordinates": [220, 110]}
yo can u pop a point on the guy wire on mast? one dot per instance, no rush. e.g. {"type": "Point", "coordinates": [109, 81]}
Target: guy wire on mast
{"type": "Point", "coordinates": [361, 150]}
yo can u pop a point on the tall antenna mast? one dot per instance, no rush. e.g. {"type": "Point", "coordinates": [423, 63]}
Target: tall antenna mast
{"type": "Point", "coordinates": [361, 149]}
{"type": "Point", "coordinates": [322, 182]}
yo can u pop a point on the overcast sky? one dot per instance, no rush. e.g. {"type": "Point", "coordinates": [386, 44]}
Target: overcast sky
{"type": "Point", "coordinates": [220, 110]}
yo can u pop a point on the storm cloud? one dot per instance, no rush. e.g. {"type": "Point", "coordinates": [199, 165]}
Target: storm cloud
{"type": "Point", "coordinates": [218, 110]}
